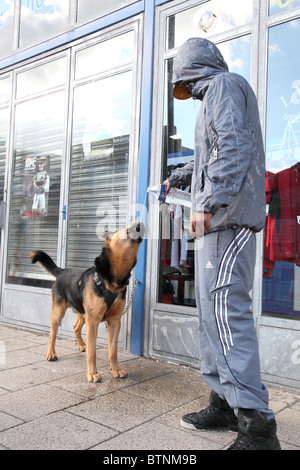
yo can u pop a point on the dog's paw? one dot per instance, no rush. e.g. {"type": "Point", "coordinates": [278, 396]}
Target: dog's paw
{"type": "Point", "coordinates": [81, 348]}
{"type": "Point", "coordinates": [119, 373]}
{"type": "Point", "coordinates": [51, 357]}
{"type": "Point", "coordinates": [94, 378]}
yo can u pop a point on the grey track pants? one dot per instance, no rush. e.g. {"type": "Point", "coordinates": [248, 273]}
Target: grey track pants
{"type": "Point", "coordinates": [228, 339]}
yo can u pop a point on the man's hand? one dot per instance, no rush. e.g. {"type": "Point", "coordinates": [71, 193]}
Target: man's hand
{"type": "Point", "coordinates": [166, 182]}
{"type": "Point", "coordinates": [200, 223]}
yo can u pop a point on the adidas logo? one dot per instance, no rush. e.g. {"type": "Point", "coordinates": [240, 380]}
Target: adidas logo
{"type": "Point", "coordinates": [209, 265]}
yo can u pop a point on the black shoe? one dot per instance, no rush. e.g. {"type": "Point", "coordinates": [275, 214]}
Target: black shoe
{"type": "Point", "coordinates": [218, 415]}
{"type": "Point", "coordinates": [255, 432]}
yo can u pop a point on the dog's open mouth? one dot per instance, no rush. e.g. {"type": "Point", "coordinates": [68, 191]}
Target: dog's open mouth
{"type": "Point", "coordinates": [136, 232]}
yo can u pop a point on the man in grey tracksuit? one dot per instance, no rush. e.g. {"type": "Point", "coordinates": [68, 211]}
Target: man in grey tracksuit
{"type": "Point", "coordinates": [227, 178]}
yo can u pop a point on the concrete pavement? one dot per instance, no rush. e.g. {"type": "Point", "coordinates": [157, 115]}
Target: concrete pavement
{"type": "Point", "coordinates": [50, 405]}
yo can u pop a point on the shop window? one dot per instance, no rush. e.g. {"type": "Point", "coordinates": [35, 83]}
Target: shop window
{"type": "Point", "coordinates": [213, 17]}
{"type": "Point", "coordinates": [110, 54]}
{"type": "Point", "coordinates": [36, 176]}
{"type": "Point", "coordinates": [44, 77]}
{"type": "Point", "coordinates": [91, 9]}
{"type": "Point", "coordinates": [176, 269]}
{"type": "Point", "coordinates": [5, 88]}
{"type": "Point", "coordinates": [42, 19]}
{"type": "Point", "coordinates": [282, 233]}
{"type": "Point", "coordinates": [95, 198]}
{"type": "Point", "coordinates": [99, 169]}
{"type": "Point", "coordinates": [6, 27]}
{"type": "Point", "coordinates": [281, 6]}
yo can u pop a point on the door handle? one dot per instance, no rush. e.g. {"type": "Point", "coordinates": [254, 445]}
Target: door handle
{"type": "Point", "coordinates": [64, 212]}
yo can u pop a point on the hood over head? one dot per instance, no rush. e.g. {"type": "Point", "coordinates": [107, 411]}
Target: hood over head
{"type": "Point", "coordinates": [196, 63]}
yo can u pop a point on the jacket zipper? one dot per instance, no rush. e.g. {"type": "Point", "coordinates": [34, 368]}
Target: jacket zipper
{"type": "Point", "coordinates": [215, 141]}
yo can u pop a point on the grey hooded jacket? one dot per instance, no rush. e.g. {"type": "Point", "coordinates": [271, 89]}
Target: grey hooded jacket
{"type": "Point", "coordinates": [227, 175]}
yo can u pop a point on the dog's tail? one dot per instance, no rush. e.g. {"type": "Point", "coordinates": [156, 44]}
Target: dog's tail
{"type": "Point", "coordinates": [47, 262]}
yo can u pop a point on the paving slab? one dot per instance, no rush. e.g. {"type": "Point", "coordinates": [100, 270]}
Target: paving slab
{"type": "Point", "coordinates": [59, 431]}
{"type": "Point", "coordinates": [39, 400]}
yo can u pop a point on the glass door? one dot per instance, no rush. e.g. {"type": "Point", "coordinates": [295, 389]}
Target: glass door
{"type": "Point", "coordinates": [101, 129]}
{"type": "Point", "coordinates": [5, 91]}
{"type": "Point", "coordinates": [4, 126]}
{"type": "Point", "coordinates": [4, 122]}
{"type": "Point", "coordinates": [5, 88]}
{"type": "Point", "coordinates": [173, 320]}
{"type": "Point", "coordinates": [102, 154]}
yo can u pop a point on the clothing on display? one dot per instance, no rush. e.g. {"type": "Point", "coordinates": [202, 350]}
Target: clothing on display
{"type": "Point", "coordinates": [282, 229]}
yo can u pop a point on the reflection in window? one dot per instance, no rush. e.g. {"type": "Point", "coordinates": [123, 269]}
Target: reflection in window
{"type": "Point", "coordinates": [35, 193]}
{"type": "Point", "coordinates": [216, 16]}
{"type": "Point", "coordinates": [176, 270]}
{"type": "Point", "coordinates": [281, 6]}
{"type": "Point", "coordinates": [237, 54]}
{"type": "Point", "coordinates": [4, 126]}
{"type": "Point", "coordinates": [42, 19]}
{"type": "Point", "coordinates": [41, 78]}
{"type": "Point", "coordinates": [91, 9]}
{"type": "Point", "coordinates": [6, 27]}
{"type": "Point", "coordinates": [282, 233]}
{"type": "Point", "coordinates": [99, 169]}
{"type": "Point", "coordinates": [5, 89]}
{"type": "Point", "coordinates": [107, 55]}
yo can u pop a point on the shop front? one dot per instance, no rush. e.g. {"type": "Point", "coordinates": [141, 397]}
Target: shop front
{"type": "Point", "coordinates": [69, 132]}
{"type": "Point", "coordinates": [88, 121]}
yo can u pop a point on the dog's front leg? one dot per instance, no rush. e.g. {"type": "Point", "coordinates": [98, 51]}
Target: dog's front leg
{"type": "Point", "coordinates": [57, 314]}
{"type": "Point", "coordinates": [80, 320]}
{"type": "Point", "coordinates": [91, 337]}
{"type": "Point", "coordinates": [113, 329]}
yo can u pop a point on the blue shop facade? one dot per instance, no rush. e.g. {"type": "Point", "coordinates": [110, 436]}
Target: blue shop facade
{"type": "Point", "coordinates": [86, 109]}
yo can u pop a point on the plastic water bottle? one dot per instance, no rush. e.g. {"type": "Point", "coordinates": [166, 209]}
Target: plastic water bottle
{"type": "Point", "coordinates": [175, 196]}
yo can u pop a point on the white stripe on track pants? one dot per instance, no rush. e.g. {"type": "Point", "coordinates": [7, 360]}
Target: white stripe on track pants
{"type": "Point", "coordinates": [224, 275]}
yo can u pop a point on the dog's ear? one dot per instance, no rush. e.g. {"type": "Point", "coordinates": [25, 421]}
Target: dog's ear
{"type": "Point", "coordinates": [107, 234]}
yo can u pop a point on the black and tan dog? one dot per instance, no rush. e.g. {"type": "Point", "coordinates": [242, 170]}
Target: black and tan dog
{"type": "Point", "coordinates": [96, 295]}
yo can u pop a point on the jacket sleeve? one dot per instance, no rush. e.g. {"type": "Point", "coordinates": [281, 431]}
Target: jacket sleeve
{"type": "Point", "coordinates": [182, 176]}
{"type": "Point", "coordinates": [230, 144]}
